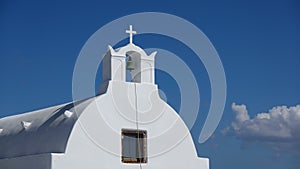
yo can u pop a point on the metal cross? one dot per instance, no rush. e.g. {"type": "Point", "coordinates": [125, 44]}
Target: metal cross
{"type": "Point", "coordinates": [130, 32]}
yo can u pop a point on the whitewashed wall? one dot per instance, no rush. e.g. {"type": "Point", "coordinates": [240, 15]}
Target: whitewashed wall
{"type": "Point", "coordinates": [95, 141]}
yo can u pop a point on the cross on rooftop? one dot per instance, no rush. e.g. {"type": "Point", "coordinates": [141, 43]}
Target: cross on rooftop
{"type": "Point", "coordinates": [130, 32]}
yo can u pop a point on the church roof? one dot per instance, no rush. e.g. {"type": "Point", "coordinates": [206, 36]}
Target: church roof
{"type": "Point", "coordinates": [39, 132]}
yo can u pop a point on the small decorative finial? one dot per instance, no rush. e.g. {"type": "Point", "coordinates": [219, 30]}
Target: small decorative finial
{"type": "Point", "coordinates": [26, 124]}
{"type": "Point", "coordinates": [68, 114]}
{"type": "Point", "coordinates": [130, 32]}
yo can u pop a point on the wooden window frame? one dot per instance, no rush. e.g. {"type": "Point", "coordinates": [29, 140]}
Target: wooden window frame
{"type": "Point", "coordinates": [138, 134]}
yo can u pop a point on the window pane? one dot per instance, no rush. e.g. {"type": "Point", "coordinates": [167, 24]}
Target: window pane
{"type": "Point", "coordinates": [129, 146]}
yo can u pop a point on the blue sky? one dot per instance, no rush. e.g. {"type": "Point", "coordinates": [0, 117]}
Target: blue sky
{"type": "Point", "coordinates": [258, 43]}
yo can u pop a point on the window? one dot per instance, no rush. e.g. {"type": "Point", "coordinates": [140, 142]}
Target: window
{"type": "Point", "coordinates": [134, 146]}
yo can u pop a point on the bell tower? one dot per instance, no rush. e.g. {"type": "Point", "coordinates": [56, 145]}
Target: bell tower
{"type": "Point", "coordinates": [130, 57]}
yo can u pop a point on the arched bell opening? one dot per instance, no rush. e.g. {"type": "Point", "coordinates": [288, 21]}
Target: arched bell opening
{"type": "Point", "coordinates": [133, 67]}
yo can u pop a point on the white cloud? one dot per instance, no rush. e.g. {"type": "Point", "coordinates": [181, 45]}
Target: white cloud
{"type": "Point", "coordinates": [241, 115]}
{"type": "Point", "coordinates": [279, 127]}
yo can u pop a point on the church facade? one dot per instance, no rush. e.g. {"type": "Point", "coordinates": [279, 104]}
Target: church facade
{"type": "Point", "coordinates": [126, 126]}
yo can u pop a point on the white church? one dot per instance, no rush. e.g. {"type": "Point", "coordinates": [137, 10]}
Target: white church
{"type": "Point", "coordinates": [126, 126]}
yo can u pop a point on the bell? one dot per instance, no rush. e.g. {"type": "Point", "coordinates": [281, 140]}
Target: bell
{"type": "Point", "coordinates": [129, 65]}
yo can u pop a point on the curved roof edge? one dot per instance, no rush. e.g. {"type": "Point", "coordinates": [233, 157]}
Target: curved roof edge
{"type": "Point", "coordinates": [41, 131]}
